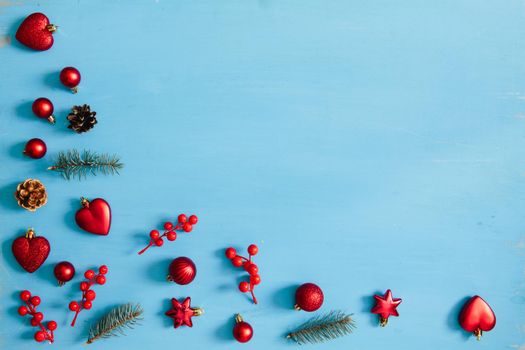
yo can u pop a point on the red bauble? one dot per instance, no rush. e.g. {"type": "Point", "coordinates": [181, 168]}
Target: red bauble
{"type": "Point", "coordinates": [64, 272]}
{"type": "Point", "coordinates": [385, 306]}
{"type": "Point", "coordinates": [94, 216]}
{"type": "Point", "coordinates": [308, 297]}
{"type": "Point", "coordinates": [477, 317]}
{"type": "Point", "coordinates": [182, 270]}
{"type": "Point", "coordinates": [31, 251]}
{"type": "Point", "coordinates": [242, 331]}
{"type": "Point", "coordinates": [36, 32]}
{"type": "Point", "coordinates": [183, 312]}
{"type": "Point", "coordinates": [35, 148]}
{"type": "Point", "coordinates": [70, 77]}
{"type": "Point", "coordinates": [43, 108]}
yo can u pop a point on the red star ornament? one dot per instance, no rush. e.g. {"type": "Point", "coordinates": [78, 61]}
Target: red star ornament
{"type": "Point", "coordinates": [183, 312]}
{"type": "Point", "coordinates": [385, 306]}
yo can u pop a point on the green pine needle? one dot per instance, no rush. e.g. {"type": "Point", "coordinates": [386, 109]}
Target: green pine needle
{"type": "Point", "coordinates": [318, 329]}
{"type": "Point", "coordinates": [115, 322]}
{"type": "Point", "coordinates": [75, 164]}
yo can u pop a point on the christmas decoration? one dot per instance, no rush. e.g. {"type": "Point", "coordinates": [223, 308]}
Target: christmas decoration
{"type": "Point", "coordinates": [45, 333]}
{"type": "Point", "coordinates": [322, 328]}
{"type": "Point", "coordinates": [64, 272]}
{"type": "Point", "coordinates": [385, 306]}
{"type": "Point", "coordinates": [36, 32]}
{"type": "Point", "coordinates": [182, 271]}
{"type": "Point", "coordinates": [249, 266]}
{"type": "Point", "coordinates": [43, 108]}
{"type": "Point", "coordinates": [308, 297]}
{"type": "Point", "coordinates": [183, 312]}
{"type": "Point", "coordinates": [35, 148]}
{"type": "Point", "coordinates": [30, 251]}
{"type": "Point", "coordinates": [31, 194]}
{"type": "Point", "coordinates": [81, 119]}
{"type": "Point", "coordinates": [477, 317]}
{"type": "Point", "coordinates": [75, 164]}
{"type": "Point", "coordinates": [242, 331]}
{"type": "Point", "coordinates": [94, 216]}
{"type": "Point", "coordinates": [70, 77]}
{"type": "Point", "coordinates": [184, 225]}
{"type": "Point", "coordinates": [115, 322]}
{"type": "Point", "coordinates": [88, 295]}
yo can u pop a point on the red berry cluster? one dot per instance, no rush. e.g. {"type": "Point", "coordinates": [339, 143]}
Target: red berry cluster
{"type": "Point", "coordinates": [88, 295]}
{"type": "Point", "coordinates": [248, 266]}
{"type": "Point", "coordinates": [36, 321]}
{"type": "Point", "coordinates": [170, 231]}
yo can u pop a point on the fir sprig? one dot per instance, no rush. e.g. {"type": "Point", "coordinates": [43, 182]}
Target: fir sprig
{"type": "Point", "coordinates": [72, 163]}
{"type": "Point", "coordinates": [115, 322]}
{"type": "Point", "coordinates": [318, 329]}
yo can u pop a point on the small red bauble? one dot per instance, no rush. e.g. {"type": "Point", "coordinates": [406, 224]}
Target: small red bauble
{"type": "Point", "coordinates": [64, 272]}
{"type": "Point", "coordinates": [182, 270]}
{"type": "Point", "coordinates": [43, 108]}
{"type": "Point", "coordinates": [242, 331]}
{"type": "Point", "coordinates": [94, 216]}
{"type": "Point", "coordinates": [70, 77]}
{"type": "Point", "coordinates": [477, 317]}
{"type": "Point", "coordinates": [35, 148]}
{"type": "Point", "coordinates": [308, 297]}
{"type": "Point", "coordinates": [31, 251]}
{"type": "Point", "coordinates": [385, 307]}
{"type": "Point", "coordinates": [36, 32]}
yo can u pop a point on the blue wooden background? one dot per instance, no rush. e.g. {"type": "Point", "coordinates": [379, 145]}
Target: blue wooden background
{"type": "Point", "coordinates": [363, 145]}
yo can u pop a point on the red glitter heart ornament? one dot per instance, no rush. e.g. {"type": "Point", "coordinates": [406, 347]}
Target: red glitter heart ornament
{"type": "Point", "coordinates": [477, 317]}
{"type": "Point", "coordinates": [36, 32]}
{"type": "Point", "coordinates": [31, 251]}
{"type": "Point", "coordinates": [94, 216]}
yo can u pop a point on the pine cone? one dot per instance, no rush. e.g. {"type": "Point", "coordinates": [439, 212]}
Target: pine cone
{"type": "Point", "coordinates": [31, 194]}
{"type": "Point", "coordinates": [81, 119]}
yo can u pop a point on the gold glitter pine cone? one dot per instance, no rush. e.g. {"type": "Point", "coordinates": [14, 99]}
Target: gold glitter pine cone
{"type": "Point", "coordinates": [31, 194]}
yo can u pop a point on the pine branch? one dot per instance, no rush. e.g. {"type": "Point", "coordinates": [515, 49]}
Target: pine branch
{"type": "Point", "coordinates": [318, 329]}
{"type": "Point", "coordinates": [115, 322]}
{"type": "Point", "coordinates": [75, 164]}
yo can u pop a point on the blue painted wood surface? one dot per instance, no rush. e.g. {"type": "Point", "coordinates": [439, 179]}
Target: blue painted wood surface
{"type": "Point", "coordinates": [363, 145]}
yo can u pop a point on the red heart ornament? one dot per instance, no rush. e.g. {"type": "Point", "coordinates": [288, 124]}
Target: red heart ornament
{"type": "Point", "coordinates": [31, 251]}
{"type": "Point", "coordinates": [94, 216]}
{"type": "Point", "coordinates": [476, 316]}
{"type": "Point", "coordinates": [36, 32]}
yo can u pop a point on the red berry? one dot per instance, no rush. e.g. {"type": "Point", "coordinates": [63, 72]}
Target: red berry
{"type": "Point", "coordinates": [73, 306]}
{"type": "Point", "coordinates": [193, 219]}
{"type": "Point", "coordinates": [90, 295]}
{"type": "Point", "coordinates": [34, 322]}
{"type": "Point", "coordinates": [244, 286]}
{"type": "Point", "coordinates": [154, 234]}
{"type": "Point", "coordinates": [237, 261]}
{"type": "Point", "coordinates": [168, 226]}
{"type": "Point", "coordinates": [25, 295]}
{"type": "Point", "coordinates": [22, 310]}
{"type": "Point", "coordinates": [182, 218]}
{"type": "Point", "coordinates": [101, 279]}
{"type": "Point", "coordinates": [171, 236]}
{"type": "Point", "coordinates": [252, 269]}
{"type": "Point", "coordinates": [103, 269]}
{"type": "Point", "coordinates": [87, 304]}
{"type": "Point", "coordinates": [84, 286]}
{"type": "Point", "coordinates": [52, 325]}
{"type": "Point", "coordinates": [159, 242]}
{"type": "Point", "coordinates": [35, 301]}
{"type": "Point", "coordinates": [187, 227]}
{"type": "Point", "coordinates": [89, 274]}
{"type": "Point", "coordinates": [231, 253]}
{"type": "Point", "coordinates": [40, 336]}
{"type": "Point", "coordinates": [255, 279]}
{"type": "Point", "coordinates": [253, 249]}
{"type": "Point", "coordinates": [38, 316]}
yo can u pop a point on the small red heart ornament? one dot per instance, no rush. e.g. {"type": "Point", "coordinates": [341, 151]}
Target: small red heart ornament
{"type": "Point", "coordinates": [477, 317]}
{"type": "Point", "coordinates": [31, 251]}
{"type": "Point", "coordinates": [36, 32]}
{"type": "Point", "coordinates": [94, 216]}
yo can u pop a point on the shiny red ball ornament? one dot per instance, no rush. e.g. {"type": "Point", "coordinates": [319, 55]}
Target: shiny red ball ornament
{"type": "Point", "coordinates": [36, 32]}
{"type": "Point", "coordinates": [43, 108]}
{"type": "Point", "coordinates": [35, 148]}
{"type": "Point", "coordinates": [182, 270]}
{"type": "Point", "coordinates": [308, 297]}
{"type": "Point", "coordinates": [64, 272]}
{"type": "Point", "coordinates": [94, 216]}
{"type": "Point", "coordinates": [385, 306]}
{"type": "Point", "coordinates": [70, 77]}
{"type": "Point", "coordinates": [477, 317]}
{"type": "Point", "coordinates": [242, 331]}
